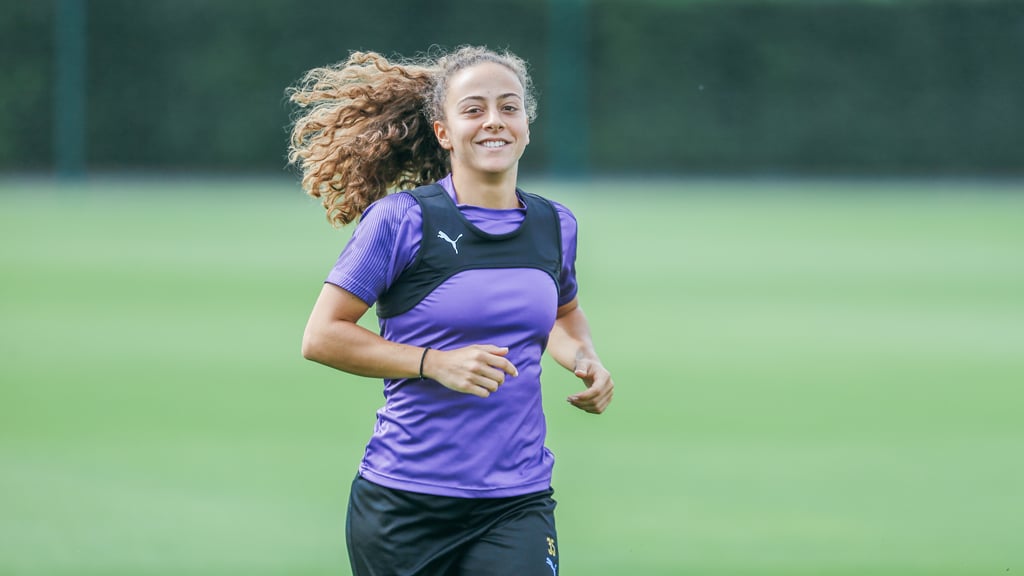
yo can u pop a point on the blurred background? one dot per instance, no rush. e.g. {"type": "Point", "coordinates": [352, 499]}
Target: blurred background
{"type": "Point", "coordinates": [801, 251]}
{"type": "Point", "coordinates": [670, 87]}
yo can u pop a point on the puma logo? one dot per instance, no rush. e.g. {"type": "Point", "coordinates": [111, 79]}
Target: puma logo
{"type": "Point", "coordinates": [445, 237]}
{"type": "Point", "coordinates": [553, 566]}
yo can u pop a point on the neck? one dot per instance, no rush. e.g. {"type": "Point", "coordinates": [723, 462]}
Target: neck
{"type": "Point", "coordinates": [486, 191]}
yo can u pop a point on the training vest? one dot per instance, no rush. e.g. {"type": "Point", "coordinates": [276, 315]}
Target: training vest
{"type": "Point", "coordinates": [451, 244]}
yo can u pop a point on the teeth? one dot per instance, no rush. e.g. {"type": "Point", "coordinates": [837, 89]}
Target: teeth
{"type": "Point", "coordinates": [493, 144]}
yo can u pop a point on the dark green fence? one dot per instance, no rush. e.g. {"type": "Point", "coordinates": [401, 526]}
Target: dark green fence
{"type": "Point", "coordinates": [820, 87]}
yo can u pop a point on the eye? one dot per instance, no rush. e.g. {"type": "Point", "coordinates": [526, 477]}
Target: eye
{"type": "Point", "coordinates": [472, 110]}
{"type": "Point", "coordinates": [511, 108]}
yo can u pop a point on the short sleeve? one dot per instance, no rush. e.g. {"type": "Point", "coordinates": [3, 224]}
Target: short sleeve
{"type": "Point", "coordinates": [384, 244]}
{"type": "Point", "coordinates": [567, 286]}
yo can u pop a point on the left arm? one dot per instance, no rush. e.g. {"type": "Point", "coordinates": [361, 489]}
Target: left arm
{"type": "Point", "coordinates": [571, 346]}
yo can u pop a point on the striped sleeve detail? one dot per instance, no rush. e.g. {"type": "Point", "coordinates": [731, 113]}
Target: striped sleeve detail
{"type": "Point", "coordinates": [380, 247]}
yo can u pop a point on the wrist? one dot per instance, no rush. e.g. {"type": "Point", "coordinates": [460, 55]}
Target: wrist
{"type": "Point", "coordinates": [423, 360]}
{"type": "Point", "coordinates": [584, 353]}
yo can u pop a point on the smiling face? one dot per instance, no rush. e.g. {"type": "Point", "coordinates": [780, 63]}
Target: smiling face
{"type": "Point", "coordinates": [485, 125]}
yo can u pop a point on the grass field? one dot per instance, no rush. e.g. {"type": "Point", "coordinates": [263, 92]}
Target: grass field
{"type": "Point", "coordinates": [813, 378]}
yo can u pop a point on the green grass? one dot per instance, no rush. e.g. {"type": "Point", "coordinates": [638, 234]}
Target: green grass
{"type": "Point", "coordinates": [820, 378]}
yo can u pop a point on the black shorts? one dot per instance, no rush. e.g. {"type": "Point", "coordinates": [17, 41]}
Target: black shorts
{"type": "Point", "coordinates": [397, 533]}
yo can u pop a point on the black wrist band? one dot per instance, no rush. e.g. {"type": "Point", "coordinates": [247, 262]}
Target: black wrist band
{"type": "Point", "coordinates": [422, 358]}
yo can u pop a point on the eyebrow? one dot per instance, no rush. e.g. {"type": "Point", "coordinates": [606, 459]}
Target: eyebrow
{"type": "Point", "coordinates": [505, 95]}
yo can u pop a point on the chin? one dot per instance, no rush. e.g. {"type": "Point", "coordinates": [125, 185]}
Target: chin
{"type": "Point", "coordinates": [496, 169]}
{"type": "Point", "coordinates": [500, 173]}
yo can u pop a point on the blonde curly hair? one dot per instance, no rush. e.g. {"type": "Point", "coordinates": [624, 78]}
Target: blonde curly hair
{"type": "Point", "coordinates": [366, 125]}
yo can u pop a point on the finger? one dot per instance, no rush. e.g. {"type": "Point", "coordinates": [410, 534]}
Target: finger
{"type": "Point", "coordinates": [587, 395]}
{"type": "Point", "coordinates": [596, 398]}
{"type": "Point", "coordinates": [477, 386]}
{"type": "Point", "coordinates": [588, 407]}
{"type": "Point", "coordinates": [593, 391]}
{"type": "Point", "coordinates": [585, 405]}
{"type": "Point", "coordinates": [495, 374]}
{"type": "Point", "coordinates": [594, 407]}
{"type": "Point", "coordinates": [589, 373]}
{"type": "Point", "coordinates": [475, 390]}
{"type": "Point", "coordinates": [500, 362]}
{"type": "Point", "coordinates": [492, 349]}
{"type": "Point", "coordinates": [509, 368]}
{"type": "Point", "coordinates": [601, 404]}
{"type": "Point", "coordinates": [490, 380]}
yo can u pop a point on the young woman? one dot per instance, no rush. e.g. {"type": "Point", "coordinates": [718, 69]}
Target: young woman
{"type": "Point", "coordinates": [473, 279]}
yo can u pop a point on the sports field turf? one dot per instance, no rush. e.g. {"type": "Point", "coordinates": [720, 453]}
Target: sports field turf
{"type": "Point", "coordinates": [813, 378]}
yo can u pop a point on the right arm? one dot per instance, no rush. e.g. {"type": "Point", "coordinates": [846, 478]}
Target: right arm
{"type": "Point", "coordinates": [333, 338]}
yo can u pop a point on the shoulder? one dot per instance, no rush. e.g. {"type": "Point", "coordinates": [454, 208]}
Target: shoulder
{"type": "Point", "coordinates": [390, 211]}
{"type": "Point", "coordinates": [390, 205]}
{"type": "Point", "coordinates": [566, 220]}
{"type": "Point", "coordinates": [564, 213]}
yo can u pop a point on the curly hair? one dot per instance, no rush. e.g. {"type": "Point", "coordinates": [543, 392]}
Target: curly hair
{"type": "Point", "coordinates": [366, 125]}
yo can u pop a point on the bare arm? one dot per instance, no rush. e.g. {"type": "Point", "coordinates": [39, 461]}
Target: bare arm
{"type": "Point", "coordinates": [334, 338]}
{"type": "Point", "coordinates": [571, 346]}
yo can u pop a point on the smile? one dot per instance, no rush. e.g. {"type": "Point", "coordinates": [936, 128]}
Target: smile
{"type": "Point", "coordinates": [493, 143]}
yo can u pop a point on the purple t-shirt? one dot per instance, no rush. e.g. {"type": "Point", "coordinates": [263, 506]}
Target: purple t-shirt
{"type": "Point", "coordinates": [430, 439]}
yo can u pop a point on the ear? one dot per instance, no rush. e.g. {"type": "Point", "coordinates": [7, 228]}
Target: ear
{"type": "Point", "coordinates": [442, 135]}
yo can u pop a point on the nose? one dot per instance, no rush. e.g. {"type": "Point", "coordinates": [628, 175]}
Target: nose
{"type": "Point", "coordinates": [494, 121]}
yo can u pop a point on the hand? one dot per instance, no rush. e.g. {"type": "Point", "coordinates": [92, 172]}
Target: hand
{"type": "Point", "coordinates": [478, 369]}
{"type": "Point", "coordinates": [598, 395]}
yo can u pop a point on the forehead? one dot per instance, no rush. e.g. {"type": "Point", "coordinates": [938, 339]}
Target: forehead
{"type": "Point", "coordinates": [485, 80]}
